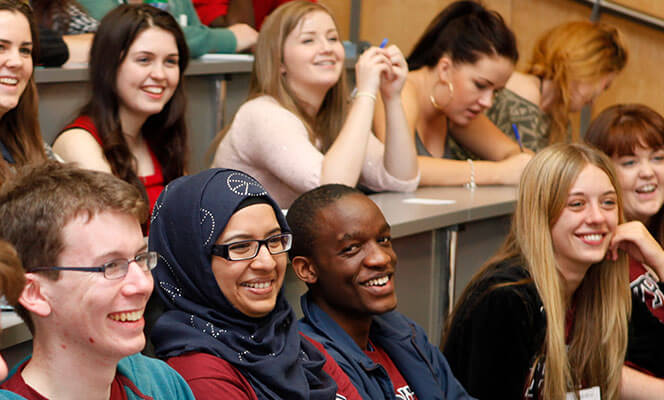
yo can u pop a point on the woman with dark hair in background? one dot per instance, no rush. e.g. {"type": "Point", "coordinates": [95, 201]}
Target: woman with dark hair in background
{"type": "Point", "coordinates": [67, 21]}
{"type": "Point", "coordinates": [20, 136]}
{"type": "Point", "coordinates": [134, 124]}
{"type": "Point", "coordinates": [571, 65]}
{"type": "Point", "coordinates": [465, 55]}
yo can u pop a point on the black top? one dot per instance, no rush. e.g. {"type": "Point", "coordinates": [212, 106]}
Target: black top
{"type": "Point", "coordinates": [646, 327]}
{"type": "Point", "coordinates": [53, 51]}
{"type": "Point", "coordinates": [6, 155]}
{"type": "Point", "coordinates": [497, 333]}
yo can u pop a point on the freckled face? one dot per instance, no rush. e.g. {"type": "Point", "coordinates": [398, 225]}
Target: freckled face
{"type": "Point", "coordinates": [641, 177]}
{"type": "Point", "coordinates": [90, 313]}
{"type": "Point", "coordinates": [313, 54]}
{"type": "Point", "coordinates": [149, 74]}
{"type": "Point", "coordinates": [582, 232]}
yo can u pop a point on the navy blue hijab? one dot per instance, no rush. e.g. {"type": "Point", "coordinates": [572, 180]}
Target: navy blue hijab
{"type": "Point", "coordinates": [188, 217]}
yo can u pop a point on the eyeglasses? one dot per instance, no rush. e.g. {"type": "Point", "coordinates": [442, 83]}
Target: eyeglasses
{"type": "Point", "coordinates": [114, 269]}
{"type": "Point", "coordinates": [248, 249]}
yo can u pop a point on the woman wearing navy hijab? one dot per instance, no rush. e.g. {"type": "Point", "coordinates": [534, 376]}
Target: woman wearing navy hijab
{"type": "Point", "coordinates": [227, 327]}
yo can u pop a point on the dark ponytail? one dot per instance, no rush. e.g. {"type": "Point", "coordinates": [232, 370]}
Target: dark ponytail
{"type": "Point", "coordinates": [464, 31]}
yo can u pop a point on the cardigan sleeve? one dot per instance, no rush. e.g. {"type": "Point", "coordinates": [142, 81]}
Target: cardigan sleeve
{"type": "Point", "coordinates": [269, 137]}
{"type": "Point", "coordinates": [200, 38]}
{"type": "Point", "coordinates": [98, 8]}
{"type": "Point", "coordinates": [375, 176]}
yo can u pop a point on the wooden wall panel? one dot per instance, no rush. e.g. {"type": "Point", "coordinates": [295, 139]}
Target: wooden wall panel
{"type": "Point", "coordinates": [652, 7]}
{"type": "Point", "coordinates": [401, 21]}
{"type": "Point", "coordinates": [341, 11]}
{"type": "Point", "coordinates": [641, 81]}
{"type": "Point", "coordinates": [531, 18]}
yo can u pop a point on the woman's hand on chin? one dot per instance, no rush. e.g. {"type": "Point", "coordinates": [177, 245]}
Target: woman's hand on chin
{"type": "Point", "coordinates": [633, 238]}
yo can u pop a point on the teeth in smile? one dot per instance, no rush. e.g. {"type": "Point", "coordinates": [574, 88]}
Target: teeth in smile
{"type": "Point", "coordinates": [325, 63]}
{"type": "Point", "coordinates": [155, 90]}
{"type": "Point", "coordinates": [9, 81]}
{"type": "Point", "coordinates": [258, 285]}
{"type": "Point", "coordinates": [593, 238]}
{"type": "Point", "coordinates": [378, 281]}
{"type": "Point", "coordinates": [646, 189]}
{"type": "Point", "coordinates": [126, 316]}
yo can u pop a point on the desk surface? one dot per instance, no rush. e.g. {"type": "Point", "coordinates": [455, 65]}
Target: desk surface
{"type": "Point", "coordinates": [421, 211]}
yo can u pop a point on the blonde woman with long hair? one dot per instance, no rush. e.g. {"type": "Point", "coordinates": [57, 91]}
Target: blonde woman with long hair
{"type": "Point", "coordinates": [548, 313]}
{"type": "Point", "coordinates": [297, 132]}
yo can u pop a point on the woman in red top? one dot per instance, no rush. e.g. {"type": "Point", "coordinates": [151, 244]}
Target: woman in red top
{"type": "Point", "coordinates": [134, 124]}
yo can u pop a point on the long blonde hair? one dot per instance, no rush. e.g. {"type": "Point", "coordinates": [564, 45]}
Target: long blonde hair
{"type": "Point", "coordinates": [603, 304]}
{"type": "Point", "coordinates": [268, 79]}
{"type": "Point", "coordinates": [580, 51]}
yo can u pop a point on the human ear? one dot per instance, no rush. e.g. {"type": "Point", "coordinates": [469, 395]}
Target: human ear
{"type": "Point", "coordinates": [443, 68]}
{"type": "Point", "coordinates": [32, 297]}
{"type": "Point", "coordinates": [305, 269]}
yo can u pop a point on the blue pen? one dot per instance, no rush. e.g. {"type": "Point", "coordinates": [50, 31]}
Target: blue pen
{"type": "Point", "coordinates": [383, 44]}
{"type": "Point", "coordinates": [518, 137]}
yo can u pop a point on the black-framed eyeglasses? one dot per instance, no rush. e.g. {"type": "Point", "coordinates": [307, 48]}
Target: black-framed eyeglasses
{"type": "Point", "coordinates": [248, 249]}
{"type": "Point", "coordinates": [114, 269]}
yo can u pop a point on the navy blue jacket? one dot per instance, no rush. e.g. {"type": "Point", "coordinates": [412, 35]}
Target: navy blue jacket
{"type": "Point", "coordinates": [422, 365]}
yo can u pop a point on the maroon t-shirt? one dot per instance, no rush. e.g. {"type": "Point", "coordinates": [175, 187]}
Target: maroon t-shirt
{"type": "Point", "coordinates": [401, 388]}
{"type": "Point", "coordinates": [17, 385]}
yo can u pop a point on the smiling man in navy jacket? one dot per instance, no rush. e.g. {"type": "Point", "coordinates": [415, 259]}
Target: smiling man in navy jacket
{"type": "Point", "coordinates": [343, 251]}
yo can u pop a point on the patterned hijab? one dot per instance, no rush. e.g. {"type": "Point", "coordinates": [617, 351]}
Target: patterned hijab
{"type": "Point", "coordinates": [188, 217]}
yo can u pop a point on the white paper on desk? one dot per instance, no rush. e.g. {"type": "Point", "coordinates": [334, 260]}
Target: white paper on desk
{"type": "Point", "coordinates": [227, 57]}
{"type": "Point", "coordinates": [428, 202]}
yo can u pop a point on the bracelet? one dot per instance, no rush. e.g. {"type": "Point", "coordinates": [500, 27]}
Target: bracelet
{"type": "Point", "coordinates": [365, 94]}
{"type": "Point", "coordinates": [471, 183]}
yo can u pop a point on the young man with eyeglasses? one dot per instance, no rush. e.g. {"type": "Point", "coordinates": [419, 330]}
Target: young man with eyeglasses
{"type": "Point", "coordinates": [88, 280]}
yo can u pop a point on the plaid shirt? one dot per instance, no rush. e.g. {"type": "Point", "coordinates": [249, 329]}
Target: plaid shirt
{"type": "Point", "coordinates": [79, 21]}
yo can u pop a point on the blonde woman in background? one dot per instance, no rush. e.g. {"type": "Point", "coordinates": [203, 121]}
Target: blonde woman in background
{"type": "Point", "coordinates": [548, 313]}
{"type": "Point", "coordinates": [297, 130]}
{"type": "Point", "coordinates": [571, 65]}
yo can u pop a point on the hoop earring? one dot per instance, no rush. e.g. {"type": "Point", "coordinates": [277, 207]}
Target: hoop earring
{"type": "Point", "coordinates": [432, 99]}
